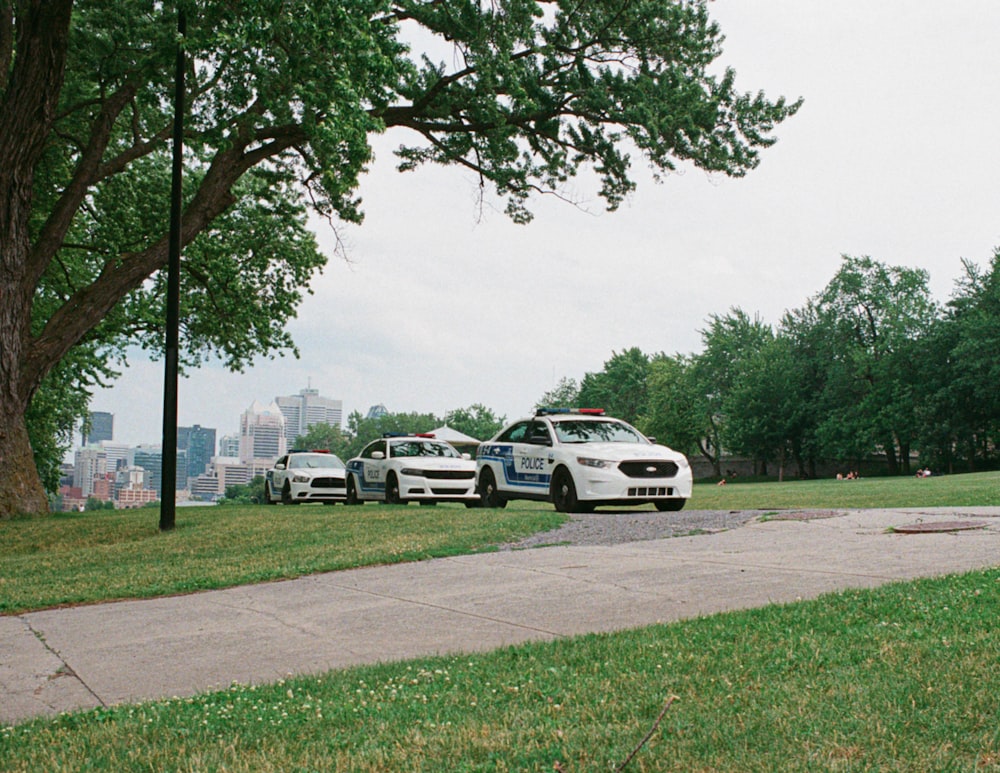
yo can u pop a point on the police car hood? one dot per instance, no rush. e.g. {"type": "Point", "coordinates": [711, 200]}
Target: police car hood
{"type": "Point", "coordinates": [435, 462]}
{"type": "Point", "coordinates": [620, 452]}
{"type": "Point", "coordinates": [318, 472]}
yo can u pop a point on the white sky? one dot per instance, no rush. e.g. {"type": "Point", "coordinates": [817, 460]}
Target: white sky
{"type": "Point", "coordinates": [894, 155]}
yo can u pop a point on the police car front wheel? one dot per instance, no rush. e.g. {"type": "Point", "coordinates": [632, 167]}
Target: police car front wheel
{"type": "Point", "coordinates": [488, 494]}
{"type": "Point", "coordinates": [563, 494]}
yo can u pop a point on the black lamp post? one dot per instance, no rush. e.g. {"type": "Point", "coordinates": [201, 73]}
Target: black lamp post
{"type": "Point", "coordinates": [168, 460]}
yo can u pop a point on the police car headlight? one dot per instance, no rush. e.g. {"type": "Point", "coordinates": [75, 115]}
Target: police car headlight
{"type": "Point", "coordinates": [601, 464]}
{"type": "Point", "coordinates": [411, 471]}
{"type": "Point", "coordinates": [300, 479]}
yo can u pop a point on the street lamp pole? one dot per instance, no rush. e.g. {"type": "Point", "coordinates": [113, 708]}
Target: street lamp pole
{"type": "Point", "coordinates": [168, 460]}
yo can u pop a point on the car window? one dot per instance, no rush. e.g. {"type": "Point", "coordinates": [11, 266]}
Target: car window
{"type": "Point", "coordinates": [282, 460]}
{"type": "Point", "coordinates": [378, 445]}
{"type": "Point", "coordinates": [515, 434]}
{"type": "Point", "coordinates": [314, 461]}
{"type": "Point", "coordinates": [422, 448]}
{"type": "Point", "coordinates": [538, 433]}
{"type": "Point", "coordinates": [575, 431]}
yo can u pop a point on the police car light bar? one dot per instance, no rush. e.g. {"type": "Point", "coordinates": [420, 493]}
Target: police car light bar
{"type": "Point", "coordinates": [584, 411]}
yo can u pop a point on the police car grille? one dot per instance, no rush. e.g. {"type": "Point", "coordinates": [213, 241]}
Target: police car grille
{"type": "Point", "coordinates": [327, 483]}
{"type": "Point", "coordinates": [651, 469]}
{"type": "Point", "coordinates": [450, 474]}
{"type": "Point", "coordinates": [650, 491]}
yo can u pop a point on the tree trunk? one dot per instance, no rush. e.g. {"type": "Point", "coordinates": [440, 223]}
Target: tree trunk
{"type": "Point", "coordinates": [21, 491]}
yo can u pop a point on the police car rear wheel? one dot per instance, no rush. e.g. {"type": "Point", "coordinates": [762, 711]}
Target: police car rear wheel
{"type": "Point", "coordinates": [268, 499]}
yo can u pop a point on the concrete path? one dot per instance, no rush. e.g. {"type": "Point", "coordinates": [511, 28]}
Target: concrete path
{"type": "Point", "coordinates": [83, 657]}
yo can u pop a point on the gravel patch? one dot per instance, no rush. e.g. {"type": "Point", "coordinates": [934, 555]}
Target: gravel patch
{"type": "Point", "coordinates": [614, 528]}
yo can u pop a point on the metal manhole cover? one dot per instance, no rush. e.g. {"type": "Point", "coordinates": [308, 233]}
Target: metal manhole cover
{"type": "Point", "coordinates": [940, 526]}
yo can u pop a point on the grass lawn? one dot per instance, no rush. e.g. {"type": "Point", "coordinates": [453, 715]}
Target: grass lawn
{"type": "Point", "coordinates": [900, 678]}
{"type": "Point", "coordinates": [938, 491]}
{"type": "Point", "coordinates": [79, 558]}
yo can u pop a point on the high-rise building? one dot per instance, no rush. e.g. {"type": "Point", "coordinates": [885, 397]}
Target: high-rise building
{"type": "Point", "coordinates": [262, 432]}
{"type": "Point", "coordinates": [102, 427]}
{"type": "Point", "coordinates": [307, 408]}
{"type": "Point", "coordinates": [89, 463]}
{"type": "Point", "coordinates": [229, 446]}
{"type": "Point", "coordinates": [150, 459]}
{"type": "Point", "coordinates": [199, 442]}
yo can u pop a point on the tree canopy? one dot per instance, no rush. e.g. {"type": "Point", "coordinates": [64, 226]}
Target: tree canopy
{"type": "Point", "coordinates": [282, 99]}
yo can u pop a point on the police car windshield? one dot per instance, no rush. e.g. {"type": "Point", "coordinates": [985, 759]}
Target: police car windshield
{"type": "Point", "coordinates": [311, 461]}
{"type": "Point", "coordinates": [422, 448]}
{"type": "Point", "coordinates": [574, 431]}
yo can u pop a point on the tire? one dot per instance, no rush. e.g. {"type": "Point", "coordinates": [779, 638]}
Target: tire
{"type": "Point", "coordinates": [471, 503]}
{"type": "Point", "coordinates": [268, 500]}
{"type": "Point", "coordinates": [488, 494]}
{"type": "Point", "coordinates": [352, 492]}
{"type": "Point", "coordinates": [286, 495]}
{"type": "Point", "coordinates": [670, 505]}
{"type": "Point", "coordinates": [563, 494]}
{"type": "Point", "coordinates": [392, 496]}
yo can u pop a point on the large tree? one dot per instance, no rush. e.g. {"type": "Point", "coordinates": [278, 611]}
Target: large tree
{"type": "Point", "coordinates": [282, 99]}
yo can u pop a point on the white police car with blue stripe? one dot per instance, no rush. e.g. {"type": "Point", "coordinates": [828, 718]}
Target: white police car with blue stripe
{"type": "Point", "coordinates": [579, 459]}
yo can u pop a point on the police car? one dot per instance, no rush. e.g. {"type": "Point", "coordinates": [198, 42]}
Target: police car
{"type": "Point", "coordinates": [305, 476]}
{"type": "Point", "coordinates": [578, 458]}
{"type": "Point", "coordinates": [399, 468]}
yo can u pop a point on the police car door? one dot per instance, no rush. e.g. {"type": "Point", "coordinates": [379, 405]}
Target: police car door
{"type": "Point", "coordinates": [532, 459]}
{"type": "Point", "coordinates": [373, 475]}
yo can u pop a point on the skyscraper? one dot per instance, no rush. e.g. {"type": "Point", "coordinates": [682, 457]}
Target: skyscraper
{"type": "Point", "coordinates": [307, 408]}
{"type": "Point", "coordinates": [102, 427]}
{"type": "Point", "coordinates": [199, 442]}
{"type": "Point", "coordinates": [262, 432]}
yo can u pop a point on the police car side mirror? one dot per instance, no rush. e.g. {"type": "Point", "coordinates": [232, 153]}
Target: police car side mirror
{"type": "Point", "coordinates": [466, 456]}
{"type": "Point", "coordinates": [378, 455]}
{"type": "Point", "coordinates": [650, 438]}
{"type": "Point", "coordinates": [279, 466]}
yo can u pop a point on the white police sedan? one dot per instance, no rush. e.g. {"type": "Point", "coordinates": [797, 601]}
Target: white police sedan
{"type": "Point", "coordinates": [579, 459]}
{"type": "Point", "coordinates": [399, 468]}
{"type": "Point", "coordinates": [305, 476]}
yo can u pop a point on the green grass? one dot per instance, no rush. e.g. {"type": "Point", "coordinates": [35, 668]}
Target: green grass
{"type": "Point", "coordinates": [900, 678]}
{"type": "Point", "coordinates": [79, 558]}
{"type": "Point", "coordinates": [938, 491]}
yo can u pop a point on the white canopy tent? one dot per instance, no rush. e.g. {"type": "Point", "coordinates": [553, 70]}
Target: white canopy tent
{"type": "Point", "coordinates": [453, 436]}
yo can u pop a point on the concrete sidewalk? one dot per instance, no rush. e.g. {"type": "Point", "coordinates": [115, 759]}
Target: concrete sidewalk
{"type": "Point", "coordinates": [82, 657]}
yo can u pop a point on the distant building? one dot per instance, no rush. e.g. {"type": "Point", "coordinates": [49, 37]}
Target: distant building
{"type": "Point", "coordinates": [307, 408]}
{"type": "Point", "coordinates": [199, 442]}
{"type": "Point", "coordinates": [150, 458]}
{"type": "Point", "coordinates": [262, 432]}
{"type": "Point", "coordinates": [132, 488]}
{"type": "Point", "coordinates": [102, 427]}
{"type": "Point", "coordinates": [229, 446]}
{"type": "Point", "coordinates": [117, 453]}
{"type": "Point", "coordinates": [88, 464]}
{"type": "Point", "coordinates": [376, 412]}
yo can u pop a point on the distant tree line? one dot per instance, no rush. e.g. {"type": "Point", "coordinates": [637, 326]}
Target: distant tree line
{"type": "Point", "coordinates": [870, 367]}
{"type": "Point", "coordinates": [477, 421]}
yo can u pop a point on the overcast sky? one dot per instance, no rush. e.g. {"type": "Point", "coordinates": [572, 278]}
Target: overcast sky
{"type": "Point", "coordinates": [893, 155]}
